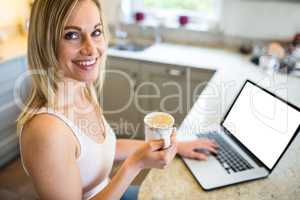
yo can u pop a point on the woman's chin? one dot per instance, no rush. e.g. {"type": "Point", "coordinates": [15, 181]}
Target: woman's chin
{"type": "Point", "coordinates": [84, 78]}
{"type": "Point", "coordinates": [89, 76]}
{"type": "Point", "coordinates": [88, 80]}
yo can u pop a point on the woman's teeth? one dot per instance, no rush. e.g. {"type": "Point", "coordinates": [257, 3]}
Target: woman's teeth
{"type": "Point", "coordinates": [86, 63]}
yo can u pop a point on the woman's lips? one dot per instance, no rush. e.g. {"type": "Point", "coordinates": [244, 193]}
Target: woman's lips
{"type": "Point", "coordinates": [85, 64]}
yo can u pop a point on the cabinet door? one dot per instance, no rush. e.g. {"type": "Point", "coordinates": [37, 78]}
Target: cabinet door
{"type": "Point", "coordinates": [118, 96]}
{"type": "Point", "coordinates": [170, 88]}
{"type": "Point", "coordinates": [10, 72]}
{"type": "Point", "coordinates": [199, 79]}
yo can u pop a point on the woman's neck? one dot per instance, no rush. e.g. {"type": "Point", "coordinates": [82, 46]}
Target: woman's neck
{"type": "Point", "coordinates": [71, 94]}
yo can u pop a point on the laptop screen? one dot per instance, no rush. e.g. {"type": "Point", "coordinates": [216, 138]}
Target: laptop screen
{"type": "Point", "coordinates": [262, 122]}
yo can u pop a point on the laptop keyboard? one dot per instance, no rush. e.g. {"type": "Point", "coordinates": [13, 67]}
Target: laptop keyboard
{"type": "Point", "coordinates": [230, 160]}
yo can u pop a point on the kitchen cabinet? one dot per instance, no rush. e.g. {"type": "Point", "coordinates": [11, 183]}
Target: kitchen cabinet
{"type": "Point", "coordinates": [140, 87]}
{"type": "Point", "coordinates": [170, 88]}
{"type": "Point", "coordinates": [10, 72]}
{"type": "Point", "coordinates": [117, 97]}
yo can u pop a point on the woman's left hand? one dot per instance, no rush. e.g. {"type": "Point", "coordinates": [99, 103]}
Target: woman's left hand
{"type": "Point", "coordinates": [197, 149]}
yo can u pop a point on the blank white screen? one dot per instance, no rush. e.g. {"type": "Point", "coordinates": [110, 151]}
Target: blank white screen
{"type": "Point", "coordinates": [263, 123]}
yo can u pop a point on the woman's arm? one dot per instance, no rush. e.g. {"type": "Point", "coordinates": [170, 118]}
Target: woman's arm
{"type": "Point", "coordinates": [49, 155]}
{"type": "Point", "coordinates": [126, 147]}
{"type": "Point", "coordinates": [48, 152]}
{"type": "Point", "coordinates": [147, 156]}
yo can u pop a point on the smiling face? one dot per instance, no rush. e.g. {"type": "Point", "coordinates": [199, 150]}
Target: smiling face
{"type": "Point", "coordinates": [82, 46]}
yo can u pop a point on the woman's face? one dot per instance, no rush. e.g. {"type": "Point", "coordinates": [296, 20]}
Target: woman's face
{"type": "Point", "coordinates": [82, 46]}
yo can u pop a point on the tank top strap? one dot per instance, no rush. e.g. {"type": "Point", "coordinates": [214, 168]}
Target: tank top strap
{"type": "Point", "coordinates": [76, 131]}
{"type": "Point", "coordinates": [63, 118]}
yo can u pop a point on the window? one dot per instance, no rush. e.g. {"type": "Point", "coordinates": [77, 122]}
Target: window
{"type": "Point", "coordinates": [202, 14]}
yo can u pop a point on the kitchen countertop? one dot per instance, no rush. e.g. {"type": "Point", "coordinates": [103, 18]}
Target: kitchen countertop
{"type": "Point", "coordinates": [176, 182]}
{"type": "Point", "coordinates": [232, 69]}
{"type": "Point", "coordinates": [205, 58]}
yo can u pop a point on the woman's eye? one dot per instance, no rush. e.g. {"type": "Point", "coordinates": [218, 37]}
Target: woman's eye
{"type": "Point", "coordinates": [71, 36]}
{"type": "Point", "coordinates": [97, 33]}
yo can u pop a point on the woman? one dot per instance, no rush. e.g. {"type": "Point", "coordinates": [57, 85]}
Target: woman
{"type": "Point", "coordinates": [67, 147]}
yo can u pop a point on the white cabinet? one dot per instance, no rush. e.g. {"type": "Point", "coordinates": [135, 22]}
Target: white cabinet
{"type": "Point", "coordinates": [140, 87]}
{"type": "Point", "coordinates": [10, 72]}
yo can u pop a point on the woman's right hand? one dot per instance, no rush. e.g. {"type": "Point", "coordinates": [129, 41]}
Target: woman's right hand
{"type": "Point", "coordinates": [151, 154]}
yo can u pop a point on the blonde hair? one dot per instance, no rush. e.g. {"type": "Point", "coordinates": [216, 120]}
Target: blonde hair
{"type": "Point", "coordinates": [47, 21]}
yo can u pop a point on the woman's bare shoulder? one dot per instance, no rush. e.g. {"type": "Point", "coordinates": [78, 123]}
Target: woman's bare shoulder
{"type": "Point", "coordinates": [46, 130]}
{"type": "Point", "coordinates": [48, 153]}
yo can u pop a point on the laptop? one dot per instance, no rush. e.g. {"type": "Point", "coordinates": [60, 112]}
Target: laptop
{"type": "Point", "coordinates": [253, 136]}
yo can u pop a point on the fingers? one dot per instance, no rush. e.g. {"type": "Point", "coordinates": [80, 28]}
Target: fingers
{"type": "Point", "coordinates": [210, 149]}
{"type": "Point", "coordinates": [208, 144]}
{"type": "Point", "coordinates": [174, 130]}
{"type": "Point", "coordinates": [156, 144]}
{"type": "Point", "coordinates": [159, 144]}
{"type": "Point", "coordinates": [198, 156]}
{"type": "Point", "coordinates": [173, 136]}
{"type": "Point", "coordinates": [166, 156]}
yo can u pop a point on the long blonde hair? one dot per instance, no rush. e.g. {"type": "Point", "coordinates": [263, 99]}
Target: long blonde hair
{"type": "Point", "coordinates": [47, 21]}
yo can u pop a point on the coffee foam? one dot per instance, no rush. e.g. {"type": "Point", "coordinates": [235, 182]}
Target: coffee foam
{"type": "Point", "coordinates": [159, 120]}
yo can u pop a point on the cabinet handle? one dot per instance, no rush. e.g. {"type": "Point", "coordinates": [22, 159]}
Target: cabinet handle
{"type": "Point", "coordinates": [134, 75]}
{"type": "Point", "coordinates": [175, 72]}
{"type": "Point", "coordinates": [135, 85]}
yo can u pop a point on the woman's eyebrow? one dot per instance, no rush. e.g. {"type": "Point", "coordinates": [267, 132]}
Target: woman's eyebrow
{"type": "Point", "coordinates": [72, 27]}
{"type": "Point", "coordinates": [99, 24]}
{"type": "Point", "coordinates": [78, 28]}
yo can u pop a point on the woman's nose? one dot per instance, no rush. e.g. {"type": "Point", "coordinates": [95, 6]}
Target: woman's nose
{"type": "Point", "coordinates": [88, 47]}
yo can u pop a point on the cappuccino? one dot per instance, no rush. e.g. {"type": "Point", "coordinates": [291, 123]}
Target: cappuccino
{"type": "Point", "coordinates": [159, 125]}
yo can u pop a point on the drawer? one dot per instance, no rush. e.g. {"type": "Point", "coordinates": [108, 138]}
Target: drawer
{"type": "Point", "coordinates": [6, 96]}
{"type": "Point", "coordinates": [7, 131]}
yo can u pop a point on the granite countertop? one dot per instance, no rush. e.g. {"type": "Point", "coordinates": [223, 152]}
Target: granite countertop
{"type": "Point", "coordinates": [176, 182]}
{"type": "Point", "coordinates": [181, 55]}
{"type": "Point", "coordinates": [232, 69]}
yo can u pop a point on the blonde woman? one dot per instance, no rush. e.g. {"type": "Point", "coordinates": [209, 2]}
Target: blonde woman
{"type": "Point", "coordinates": [67, 147]}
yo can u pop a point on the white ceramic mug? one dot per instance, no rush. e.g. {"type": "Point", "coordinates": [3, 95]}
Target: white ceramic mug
{"type": "Point", "coordinates": [157, 132]}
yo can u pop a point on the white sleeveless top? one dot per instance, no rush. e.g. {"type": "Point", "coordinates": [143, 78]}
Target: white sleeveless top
{"type": "Point", "coordinates": [95, 160]}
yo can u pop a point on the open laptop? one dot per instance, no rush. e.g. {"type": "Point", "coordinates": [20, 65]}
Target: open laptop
{"type": "Point", "coordinates": [253, 136]}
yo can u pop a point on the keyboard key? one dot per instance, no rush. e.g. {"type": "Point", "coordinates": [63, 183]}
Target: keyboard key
{"type": "Point", "coordinates": [230, 160]}
{"type": "Point", "coordinates": [225, 165]}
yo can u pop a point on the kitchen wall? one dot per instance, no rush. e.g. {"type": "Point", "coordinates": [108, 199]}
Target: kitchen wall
{"type": "Point", "coordinates": [12, 14]}
{"type": "Point", "coordinates": [249, 19]}
{"type": "Point", "coordinates": [111, 10]}
{"type": "Point", "coordinates": [252, 19]}
{"type": "Point", "coordinates": [261, 19]}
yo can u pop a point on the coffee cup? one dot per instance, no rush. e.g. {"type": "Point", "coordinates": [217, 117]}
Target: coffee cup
{"type": "Point", "coordinates": [159, 125]}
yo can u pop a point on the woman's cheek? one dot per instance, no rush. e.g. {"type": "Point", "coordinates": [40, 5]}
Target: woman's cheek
{"type": "Point", "coordinates": [103, 48]}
